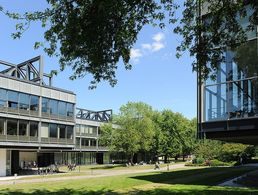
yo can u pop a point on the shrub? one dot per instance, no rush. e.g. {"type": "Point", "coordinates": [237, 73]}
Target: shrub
{"type": "Point", "coordinates": [215, 163]}
{"type": "Point", "coordinates": [198, 160]}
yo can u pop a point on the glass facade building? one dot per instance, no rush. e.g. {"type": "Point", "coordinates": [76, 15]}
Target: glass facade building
{"type": "Point", "coordinates": [229, 103]}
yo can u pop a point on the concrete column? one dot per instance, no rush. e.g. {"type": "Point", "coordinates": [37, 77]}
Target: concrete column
{"type": "Point", "coordinates": [2, 162]}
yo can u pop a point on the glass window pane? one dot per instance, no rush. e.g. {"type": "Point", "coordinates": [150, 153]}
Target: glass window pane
{"type": "Point", "coordinates": [45, 105]}
{"type": "Point", "coordinates": [69, 133]}
{"type": "Point", "coordinates": [62, 131]}
{"type": "Point", "coordinates": [2, 126]}
{"type": "Point", "coordinates": [62, 108]}
{"type": "Point", "coordinates": [11, 127]}
{"type": "Point", "coordinates": [70, 110]}
{"type": "Point", "coordinates": [34, 103]}
{"type": "Point", "coordinates": [53, 105]}
{"type": "Point", "coordinates": [33, 129]}
{"type": "Point", "coordinates": [3, 97]}
{"type": "Point", "coordinates": [53, 130]}
{"type": "Point", "coordinates": [23, 127]}
{"type": "Point", "coordinates": [77, 129]}
{"type": "Point", "coordinates": [44, 130]}
{"type": "Point", "coordinates": [24, 100]}
{"type": "Point", "coordinates": [12, 99]}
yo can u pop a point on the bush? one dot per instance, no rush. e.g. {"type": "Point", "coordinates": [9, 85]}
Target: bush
{"type": "Point", "coordinates": [198, 160]}
{"type": "Point", "coordinates": [215, 163]}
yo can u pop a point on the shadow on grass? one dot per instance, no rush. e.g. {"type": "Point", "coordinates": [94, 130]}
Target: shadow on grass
{"type": "Point", "coordinates": [192, 191]}
{"type": "Point", "coordinates": [107, 167]}
{"type": "Point", "coordinates": [64, 191]}
{"type": "Point", "coordinates": [204, 176]}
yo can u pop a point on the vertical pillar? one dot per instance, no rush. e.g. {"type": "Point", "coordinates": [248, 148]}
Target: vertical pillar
{"type": "Point", "coordinates": [41, 69]}
{"type": "Point", "coordinates": [3, 162]}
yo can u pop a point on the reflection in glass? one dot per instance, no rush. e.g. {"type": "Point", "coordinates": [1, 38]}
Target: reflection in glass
{"type": "Point", "coordinates": [24, 101]}
{"type": "Point", "coordinates": [34, 103]}
{"type": "Point", "coordinates": [2, 98]}
{"type": "Point", "coordinates": [70, 110]}
{"type": "Point", "coordinates": [53, 130]}
{"type": "Point", "coordinates": [12, 99]}
{"type": "Point", "coordinates": [62, 131]}
{"type": "Point", "coordinates": [237, 96]}
{"type": "Point", "coordinates": [11, 127]}
{"type": "Point", "coordinates": [23, 127]}
{"type": "Point", "coordinates": [62, 108]}
{"type": "Point", "coordinates": [2, 126]}
{"type": "Point", "coordinates": [33, 129]}
{"type": "Point", "coordinates": [53, 106]}
{"type": "Point", "coordinates": [45, 105]}
{"type": "Point", "coordinates": [69, 133]}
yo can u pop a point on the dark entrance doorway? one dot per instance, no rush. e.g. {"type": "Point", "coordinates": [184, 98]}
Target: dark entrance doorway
{"type": "Point", "coordinates": [14, 162]}
{"type": "Point", "coordinates": [45, 159]}
{"type": "Point", "coordinates": [99, 158]}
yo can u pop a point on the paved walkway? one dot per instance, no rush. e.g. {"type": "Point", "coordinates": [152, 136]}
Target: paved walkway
{"type": "Point", "coordinates": [232, 182]}
{"type": "Point", "coordinates": [95, 174]}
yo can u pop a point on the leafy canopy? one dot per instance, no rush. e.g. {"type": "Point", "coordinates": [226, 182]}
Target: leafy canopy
{"type": "Point", "coordinates": [92, 36]}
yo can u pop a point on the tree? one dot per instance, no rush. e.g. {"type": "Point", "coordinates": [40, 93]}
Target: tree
{"type": "Point", "coordinates": [92, 36]}
{"type": "Point", "coordinates": [208, 149]}
{"type": "Point", "coordinates": [171, 140]}
{"type": "Point", "coordinates": [208, 28]}
{"type": "Point", "coordinates": [133, 130]}
{"type": "Point", "coordinates": [189, 137]}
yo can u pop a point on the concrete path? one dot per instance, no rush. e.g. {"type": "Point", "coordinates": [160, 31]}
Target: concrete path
{"type": "Point", "coordinates": [94, 174]}
{"type": "Point", "coordinates": [232, 182]}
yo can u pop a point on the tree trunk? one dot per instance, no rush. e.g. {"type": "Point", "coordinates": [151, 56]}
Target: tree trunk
{"type": "Point", "coordinates": [166, 159]}
{"type": "Point", "coordinates": [183, 158]}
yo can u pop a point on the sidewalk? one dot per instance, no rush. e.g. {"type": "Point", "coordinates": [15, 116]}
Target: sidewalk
{"type": "Point", "coordinates": [96, 173]}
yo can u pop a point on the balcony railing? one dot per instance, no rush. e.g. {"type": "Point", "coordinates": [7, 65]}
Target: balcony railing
{"type": "Point", "coordinates": [30, 139]}
{"type": "Point", "coordinates": [57, 117]}
{"type": "Point", "coordinates": [19, 111]}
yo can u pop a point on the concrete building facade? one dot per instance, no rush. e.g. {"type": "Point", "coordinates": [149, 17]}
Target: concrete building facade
{"type": "Point", "coordinates": [40, 124]}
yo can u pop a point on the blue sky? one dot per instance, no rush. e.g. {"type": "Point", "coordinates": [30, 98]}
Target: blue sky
{"type": "Point", "coordinates": [157, 78]}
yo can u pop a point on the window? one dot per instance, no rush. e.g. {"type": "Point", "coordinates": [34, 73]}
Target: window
{"type": "Point", "coordinates": [33, 129]}
{"type": "Point", "coordinates": [45, 105]}
{"type": "Point", "coordinates": [12, 99]}
{"type": "Point", "coordinates": [53, 106]}
{"type": "Point", "coordinates": [2, 97]}
{"type": "Point", "coordinates": [70, 110]}
{"type": "Point", "coordinates": [2, 126]}
{"type": "Point", "coordinates": [53, 130]}
{"type": "Point", "coordinates": [44, 130]}
{"type": "Point", "coordinates": [62, 108]}
{"type": "Point", "coordinates": [93, 142]}
{"type": "Point", "coordinates": [90, 130]}
{"type": "Point", "coordinates": [69, 133]}
{"type": "Point", "coordinates": [77, 127]}
{"type": "Point", "coordinates": [24, 101]}
{"type": "Point", "coordinates": [23, 127]}
{"type": "Point", "coordinates": [11, 127]}
{"type": "Point", "coordinates": [84, 142]}
{"type": "Point", "coordinates": [62, 131]}
{"type": "Point", "coordinates": [34, 103]}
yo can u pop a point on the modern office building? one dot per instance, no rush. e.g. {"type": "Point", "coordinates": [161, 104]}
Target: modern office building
{"type": "Point", "coordinates": [40, 124]}
{"type": "Point", "coordinates": [228, 105]}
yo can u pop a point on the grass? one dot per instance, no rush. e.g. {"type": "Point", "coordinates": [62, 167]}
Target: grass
{"type": "Point", "coordinates": [191, 181]}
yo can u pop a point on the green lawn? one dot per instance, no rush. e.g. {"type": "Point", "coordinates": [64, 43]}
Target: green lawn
{"type": "Point", "coordinates": [191, 181]}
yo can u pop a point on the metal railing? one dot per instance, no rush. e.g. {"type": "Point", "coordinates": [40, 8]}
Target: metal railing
{"type": "Point", "coordinates": [31, 139]}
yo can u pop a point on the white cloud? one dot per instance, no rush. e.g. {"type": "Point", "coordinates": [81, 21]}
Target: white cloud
{"type": "Point", "coordinates": [156, 46]}
{"type": "Point", "coordinates": [135, 54]}
{"type": "Point", "coordinates": [147, 46]}
{"type": "Point", "coordinates": [159, 37]}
